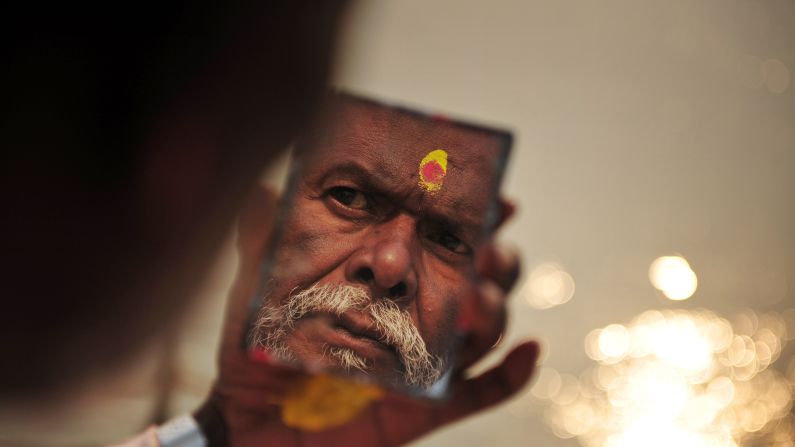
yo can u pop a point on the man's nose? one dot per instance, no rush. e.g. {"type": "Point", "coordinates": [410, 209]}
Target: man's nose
{"type": "Point", "coordinates": [385, 262]}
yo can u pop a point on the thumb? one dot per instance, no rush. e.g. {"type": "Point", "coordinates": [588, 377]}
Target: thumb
{"type": "Point", "coordinates": [493, 386]}
{"type": "Point", "coordinates": [404, 419]}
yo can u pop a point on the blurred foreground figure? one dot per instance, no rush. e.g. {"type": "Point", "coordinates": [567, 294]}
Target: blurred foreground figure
{"type": "Point", "coordinates": [131, 139]}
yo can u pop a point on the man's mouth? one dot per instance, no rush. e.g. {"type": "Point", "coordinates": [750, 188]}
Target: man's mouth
{"type": "Point", "coordinates": [359, 334]}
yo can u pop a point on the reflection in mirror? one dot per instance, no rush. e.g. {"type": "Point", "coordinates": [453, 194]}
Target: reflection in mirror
{"type": "Point", "coordinates": [374, 256]}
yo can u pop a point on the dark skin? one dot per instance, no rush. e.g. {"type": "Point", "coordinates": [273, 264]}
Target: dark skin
{"type": "Point", "coordinates": [241, 410]}
{"type": "Point", "coordinates": [361, 218]}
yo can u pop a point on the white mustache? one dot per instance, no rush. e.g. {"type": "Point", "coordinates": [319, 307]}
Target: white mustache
{"type": "Point", "coordinates": [274, 324]}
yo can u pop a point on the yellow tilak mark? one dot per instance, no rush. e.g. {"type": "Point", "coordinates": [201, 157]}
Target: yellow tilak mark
{"type": "Point", "coordinates": [325, 401]}
{"type": "Point", "coordinates": [433, 168]}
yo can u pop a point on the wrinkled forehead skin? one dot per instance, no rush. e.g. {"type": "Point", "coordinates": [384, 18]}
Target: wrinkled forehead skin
{"type": "Point", "coordinates": [390, 144]}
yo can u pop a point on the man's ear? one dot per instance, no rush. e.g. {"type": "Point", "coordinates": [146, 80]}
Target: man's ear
{"type": "Point", "coordinates": [507, 208]}
{"type": "Point", "coordinates": [255, 224]}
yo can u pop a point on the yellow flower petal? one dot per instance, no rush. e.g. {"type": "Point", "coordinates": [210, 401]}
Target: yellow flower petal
{"type": "Point", "coordinates": [325, 401]}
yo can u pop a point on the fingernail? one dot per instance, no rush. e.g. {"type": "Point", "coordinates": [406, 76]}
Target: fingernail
{"type": "Point", "coordinates": [504, 254]}
{"type": "Point", "coordinates": [491, 294]}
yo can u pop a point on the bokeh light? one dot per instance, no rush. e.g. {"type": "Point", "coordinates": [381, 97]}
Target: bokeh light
{"type": "Point", "coordinates": [548, 285]}
{"type": "Point", "coordinates": [677, 377]}
{"type": "Point", "coordinates": [673, 276]}
{"type": "Point", "coordinates": [613, 341]}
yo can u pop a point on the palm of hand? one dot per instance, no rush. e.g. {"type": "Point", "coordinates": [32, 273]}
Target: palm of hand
{"type": "Point", "coordinates": [248, 389]}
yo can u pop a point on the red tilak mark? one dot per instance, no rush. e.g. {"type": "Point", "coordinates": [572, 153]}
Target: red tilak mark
{"type": "Point", "coordinates": [433, 172]}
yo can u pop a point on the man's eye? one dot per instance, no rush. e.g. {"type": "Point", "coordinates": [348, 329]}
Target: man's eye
{"type": "Point", "coordinates": [349, 197]}
{"type": "Point", "coordinates": [450, 242]}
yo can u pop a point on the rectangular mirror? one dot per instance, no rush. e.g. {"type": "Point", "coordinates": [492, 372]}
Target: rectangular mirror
{"type": "Point", "coordinates": [374, 253]}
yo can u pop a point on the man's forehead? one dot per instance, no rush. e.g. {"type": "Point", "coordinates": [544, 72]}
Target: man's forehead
{"type": "Point", "coordinates": [394, 146]}
{"type": "Point", "coordinates": [399, 135]}
{"type": "Point", "coordinates": [398, 140]}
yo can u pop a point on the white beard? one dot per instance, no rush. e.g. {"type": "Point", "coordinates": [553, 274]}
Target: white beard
{"type": "Point", "coordinates": [275, 324]}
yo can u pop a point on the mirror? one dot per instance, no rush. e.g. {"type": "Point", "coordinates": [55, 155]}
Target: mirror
{"type": "Point", "coordinates": [374, 254]}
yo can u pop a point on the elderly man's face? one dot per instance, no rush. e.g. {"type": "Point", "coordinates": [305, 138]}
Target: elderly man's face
{"type": "Point", "coordinates": [377, 250]}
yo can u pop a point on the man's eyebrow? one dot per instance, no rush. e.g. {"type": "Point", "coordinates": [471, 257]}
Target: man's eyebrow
{"type": "Point", "coordinates": [454, 221]}
{"type": "Point", "coordinates": [359, 172]}
{"type": "Point", "coordinates": [379, 180]}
